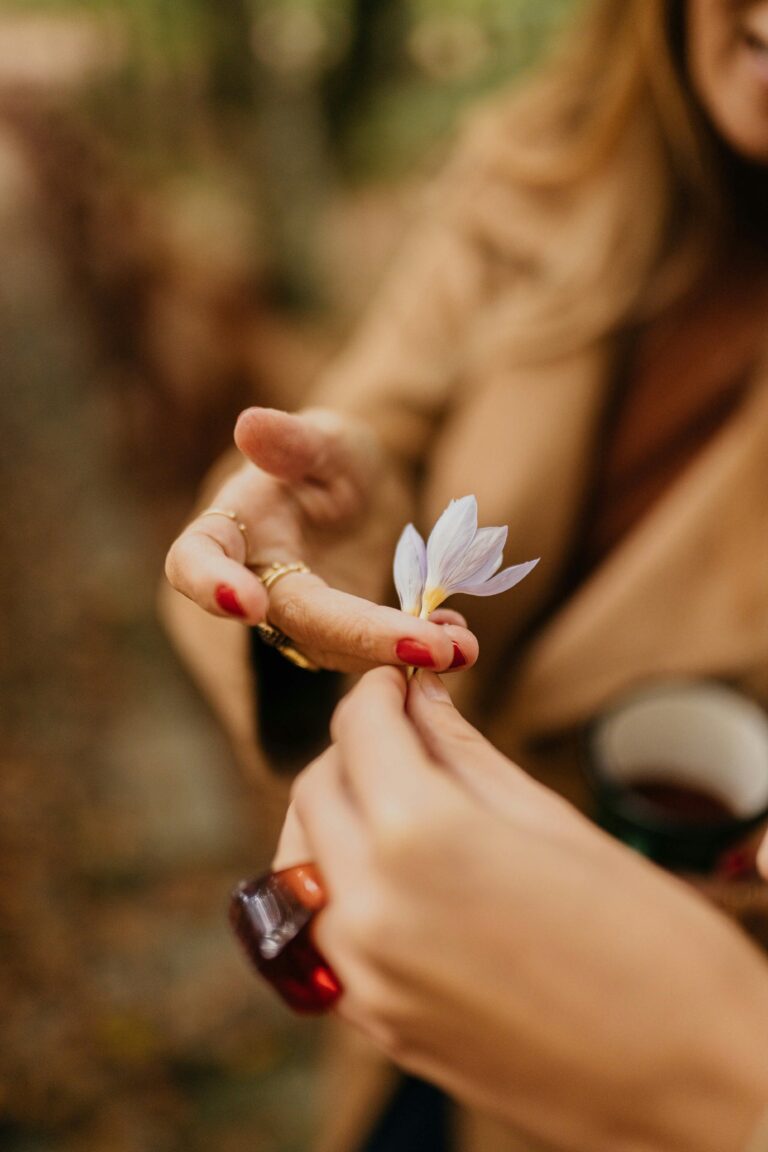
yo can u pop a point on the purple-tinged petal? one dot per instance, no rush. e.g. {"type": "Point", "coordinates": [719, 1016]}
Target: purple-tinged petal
{"type": "Point", "coordinates": [410, 569]}
{"type": "Point", "coordinates": [450, 538]}
{"type": "Point", "coordinates": [482, 558]}
{"type": "Point", "coordinates": [502, 581]}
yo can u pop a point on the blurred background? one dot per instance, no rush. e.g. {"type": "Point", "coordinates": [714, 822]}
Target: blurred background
{"type": "Point", "coordinates": [196, 198]}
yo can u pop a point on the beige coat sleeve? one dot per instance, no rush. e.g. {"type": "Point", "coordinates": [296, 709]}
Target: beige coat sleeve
{"type": "Point", "coordinates": [400, 370]}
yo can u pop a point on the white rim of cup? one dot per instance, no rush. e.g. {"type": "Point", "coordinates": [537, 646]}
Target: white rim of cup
{"type": "Point", "coordinates": [694, 730]}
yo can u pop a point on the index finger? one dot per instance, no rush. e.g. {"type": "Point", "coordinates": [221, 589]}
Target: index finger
{"type": "Point", "coordinates": [382, 757]}
{"type": "Point", "coordinates": [352, 634]}
{"type": "Point", "coordinates": [200, 565]}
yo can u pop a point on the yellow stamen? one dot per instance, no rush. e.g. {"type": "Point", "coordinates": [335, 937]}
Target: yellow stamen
{"type": "Point", "coordinates": [431, 600]}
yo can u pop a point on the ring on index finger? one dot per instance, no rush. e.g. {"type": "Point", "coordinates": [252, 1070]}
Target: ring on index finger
{"type": "Point", "coordinates": [276, 570]}
{"type": "Point", "coordinates": [272, 636]}
{"type": "Point", "coordinates": [285, 646]}
{"type": "Point", "coordinates": [233, 516]}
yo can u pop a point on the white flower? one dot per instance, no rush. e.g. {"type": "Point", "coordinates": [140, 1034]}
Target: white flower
{"type": "Point", "coordinates": [410, 569]}
{"type": "Point", "coordinates": [458, 557]}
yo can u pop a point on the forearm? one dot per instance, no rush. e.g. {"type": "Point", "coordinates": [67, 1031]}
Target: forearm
{"type": "Point", "coordinates": [720, 1109]}
{"type": "Point", "coordinates": [758, 1140]}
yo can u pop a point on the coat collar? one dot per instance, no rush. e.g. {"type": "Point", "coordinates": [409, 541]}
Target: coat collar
{"type": "Point", "coordinates": [686, 593]}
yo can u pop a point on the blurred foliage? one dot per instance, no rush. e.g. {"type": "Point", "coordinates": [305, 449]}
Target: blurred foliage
{"type": "Point", "coordinates": [380, 56]}
{"type": "Point", "coordinates": [290, 98]}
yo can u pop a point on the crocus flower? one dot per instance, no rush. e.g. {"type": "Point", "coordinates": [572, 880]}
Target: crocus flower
{"type": "Point", "coordinates": [458, 557]}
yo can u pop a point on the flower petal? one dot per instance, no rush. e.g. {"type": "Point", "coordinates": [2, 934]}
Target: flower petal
{"type": "Point", "coordinates": [450, 538]}
{"type": "Point", "coordinates": [410, 569]}
{"type": "Point", "coordinates": [482, 558]}
{"type": "Point", "coordinates": [503, 580]}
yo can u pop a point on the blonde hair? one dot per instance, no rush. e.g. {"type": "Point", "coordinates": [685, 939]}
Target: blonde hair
{"type": "Point", "coordinates": [599, 178]}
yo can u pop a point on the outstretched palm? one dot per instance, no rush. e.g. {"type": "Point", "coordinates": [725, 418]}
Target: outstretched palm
{"type": "Point", "coordinates": [312, 488]}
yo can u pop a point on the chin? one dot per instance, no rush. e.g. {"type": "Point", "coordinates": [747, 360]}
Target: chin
{"type": "Point", "coordinates": [746, 136]}
{"type": "Point", "coordinates": [753, 149]}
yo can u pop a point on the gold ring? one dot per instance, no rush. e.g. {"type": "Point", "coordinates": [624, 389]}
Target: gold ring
{"type": "Point", "coordinates": [285, 646]}
{"type": "Point", "coordinates": [273, 572]}
{"type": "Point", "coordinates": [269, 576]}
{"type": "Point", "coordinates": [233, 516]}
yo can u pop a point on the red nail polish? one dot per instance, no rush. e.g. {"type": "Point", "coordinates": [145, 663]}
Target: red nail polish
{"type": "Point", "coordinates": [414, 653]}
{"type": "Point", "coordinates": [735, 864]}
{"type": "Point", "coordinates": [459, 659]}
{"type": "Point", "coordinates": [271, 917]}
{"type": "Point", "coordinates": [226, 598]}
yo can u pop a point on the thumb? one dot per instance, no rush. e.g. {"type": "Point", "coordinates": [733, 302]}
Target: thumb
{"type": "Point", "coordinates": [327, 460]}
{"type": "Point", "coordinates": [291, 448]}
{"type": "Point", "coordinates": [491, 778]}
{"type": "Point", "coordinates": [448, 737]}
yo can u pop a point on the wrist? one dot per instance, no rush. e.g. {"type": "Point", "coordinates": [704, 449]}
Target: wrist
{"type": "Point", "coordinates": [723, 1117]}
{"type": "Point", "coordinates": [758, 1140]}
{"type": "Point", "coordinates": [718, 1097]}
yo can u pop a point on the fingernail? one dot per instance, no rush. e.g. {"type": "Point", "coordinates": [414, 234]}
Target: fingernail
{"type": "Point", "coordinates": [433, 687]}
{"type": "Point", "coordinates": [226, 598]}
{"type": "Point", "coordinates": [414, 653]}
{"type": "Point", "coordinates": [735, 864]}
{"type": "Point", "coordinates": [459, 659]}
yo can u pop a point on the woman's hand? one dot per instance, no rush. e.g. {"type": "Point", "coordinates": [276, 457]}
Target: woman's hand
{"type": "Point", "coordinates": [491, 939]}
{"type": "Point", "coordinates": [313, 488]}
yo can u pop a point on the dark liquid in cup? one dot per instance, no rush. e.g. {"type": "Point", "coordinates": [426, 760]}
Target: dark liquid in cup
{"type": "Point", "coordinates": [683, 802]}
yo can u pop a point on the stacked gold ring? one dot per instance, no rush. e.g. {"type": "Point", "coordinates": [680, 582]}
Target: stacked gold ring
{"type": "Point", "coordinates": [275, 571]}
{"type": "Point", "coordinates": [273, 636]}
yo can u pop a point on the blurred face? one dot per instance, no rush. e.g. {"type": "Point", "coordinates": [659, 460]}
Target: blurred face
{"type": "Point", "coordinates": [728, 64]}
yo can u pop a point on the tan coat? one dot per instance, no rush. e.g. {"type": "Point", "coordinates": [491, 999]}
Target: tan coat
{"type": "Point", "coordinates": [685, 594]}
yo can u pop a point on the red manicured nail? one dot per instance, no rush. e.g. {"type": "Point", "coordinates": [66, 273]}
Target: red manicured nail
{"type": "Point", "coordinates": [735, 864]}
{"type": "Point", "coordinates": [226, 598]}
{"type": "Point", "coordinates": [459, 659]}
{"type": "Point", "coordinates": [414, 653]}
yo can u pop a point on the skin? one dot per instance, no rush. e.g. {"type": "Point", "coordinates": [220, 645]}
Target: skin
{"type": "Point", "coordinates": [728, 68]}
{"type": "Point", "coordinates": [309, 485]}
{"type": "Point", "coordinates": [581, 995]}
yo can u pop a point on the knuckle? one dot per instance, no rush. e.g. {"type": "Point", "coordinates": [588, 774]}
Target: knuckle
{"type": "Point", "coordinates": [291, 614]}
{"type": "Point", "coordinates": [397, 836]}
{"type": "Point", "coordinates": [360, 638]}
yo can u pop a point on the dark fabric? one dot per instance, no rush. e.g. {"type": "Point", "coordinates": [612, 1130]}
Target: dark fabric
{"type": "Point", "coordinates": [687, 375]}
{"type": "Point", "coordinates": [417, 1119]}
{"type": "Point", "coordinates": [293, 707]}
